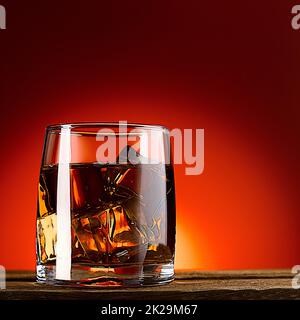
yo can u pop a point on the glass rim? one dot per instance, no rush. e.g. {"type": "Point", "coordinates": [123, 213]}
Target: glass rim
{"type": "Point", "coordinates": [74, 125]}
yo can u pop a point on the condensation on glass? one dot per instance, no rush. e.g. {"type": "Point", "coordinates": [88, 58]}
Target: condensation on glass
{"type": "Point", "coordinates": [106, 206]}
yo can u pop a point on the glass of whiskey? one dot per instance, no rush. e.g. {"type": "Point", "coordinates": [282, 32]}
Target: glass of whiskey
{"type": "Point", "coordinates": [106, 206]}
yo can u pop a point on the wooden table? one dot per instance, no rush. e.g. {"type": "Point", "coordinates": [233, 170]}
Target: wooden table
{"type": "Point", "coordinates": [191, 285]}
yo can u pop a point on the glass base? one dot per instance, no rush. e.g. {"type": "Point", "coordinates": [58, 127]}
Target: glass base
{"type": "Point", "coordinates": [129, 275]}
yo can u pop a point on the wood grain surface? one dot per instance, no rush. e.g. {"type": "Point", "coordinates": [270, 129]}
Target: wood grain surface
{"type": "Point", "coordinates": [189, 285]}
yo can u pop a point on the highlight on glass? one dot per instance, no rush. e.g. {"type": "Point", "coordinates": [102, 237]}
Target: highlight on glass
{"type": "Point", "coordinates": [106, 205]}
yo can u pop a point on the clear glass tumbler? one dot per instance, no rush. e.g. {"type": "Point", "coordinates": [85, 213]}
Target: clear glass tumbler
{"type": "Point", "coordinates": [106, 205]}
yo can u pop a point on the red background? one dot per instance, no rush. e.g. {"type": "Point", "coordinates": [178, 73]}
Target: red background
{"type": "Point", "coordinates": [226, 66]}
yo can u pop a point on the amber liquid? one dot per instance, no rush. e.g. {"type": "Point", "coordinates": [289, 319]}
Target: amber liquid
{"type": "Point", "coordinates": [120, 214]}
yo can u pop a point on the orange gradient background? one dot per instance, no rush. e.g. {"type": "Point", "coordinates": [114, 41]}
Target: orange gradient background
{"type": "Point", "coordinates": [228, 67]}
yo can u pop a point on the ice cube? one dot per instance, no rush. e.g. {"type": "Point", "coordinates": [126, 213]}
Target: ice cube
{"type": "Point", "coordinates": [87, 186]}
{"type": "Point", "coordinates": [82, 229]}
{"type": "Point", "coordinates": [104, 235]}
{"type": "Point", "coordinates": [130, 254]}
{"type": "Point", "coordinates": [129, 155]}
{"type": "Point", "coordinates": [158, 253]}
{"type": "Point", "coordinates": [77, 250]}
{"type": "Point", "coordinates": [46, 233]}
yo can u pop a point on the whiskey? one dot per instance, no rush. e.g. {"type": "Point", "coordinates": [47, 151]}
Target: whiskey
{"type": "Point", "coordinates": [122, 216]}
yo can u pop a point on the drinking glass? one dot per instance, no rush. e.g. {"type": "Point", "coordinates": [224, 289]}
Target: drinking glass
{"type": "Point", "coordinates": [106, 205]}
